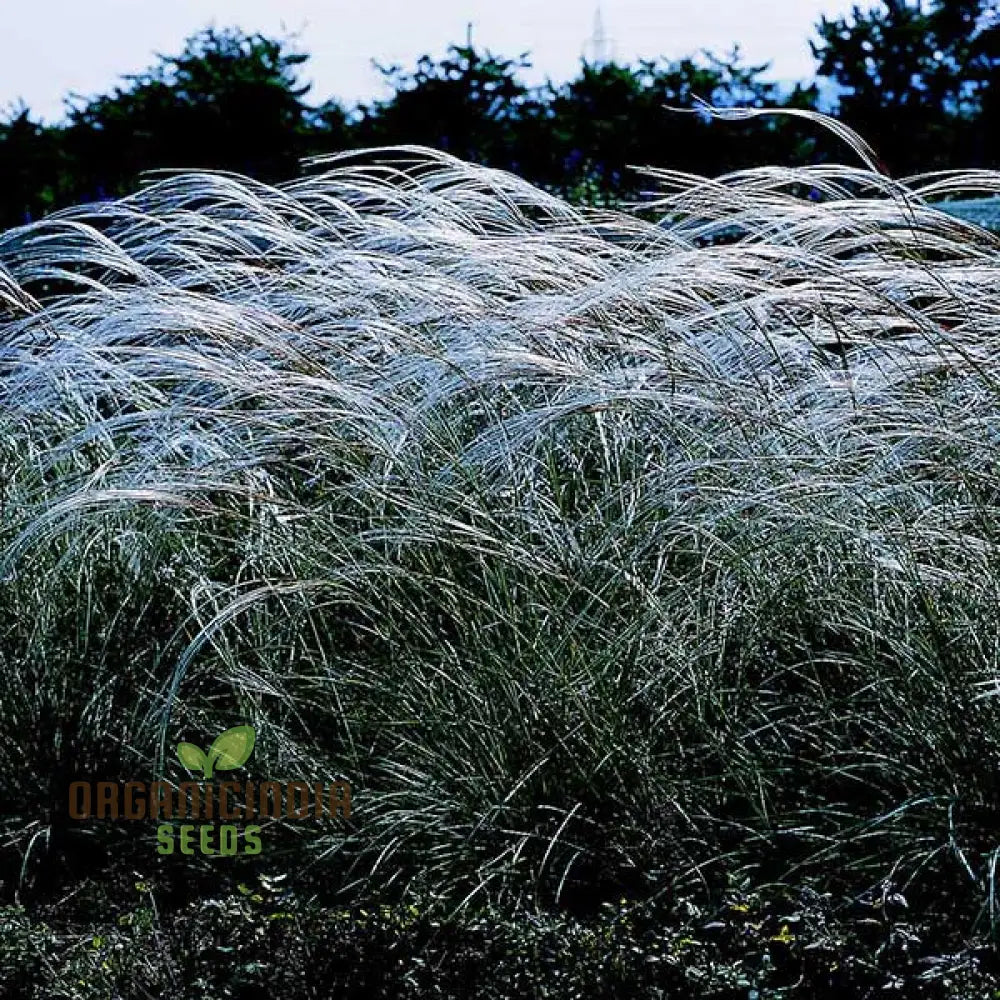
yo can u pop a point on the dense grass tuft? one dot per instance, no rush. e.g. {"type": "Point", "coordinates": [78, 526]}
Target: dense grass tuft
{"type": "Point", "coordinates": [604, 554]}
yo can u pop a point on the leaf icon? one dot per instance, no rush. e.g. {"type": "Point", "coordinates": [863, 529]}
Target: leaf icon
{"type": "Point", "coordinates": [191, 756]}
{"type": "Point", "coordinates": [231, 749]}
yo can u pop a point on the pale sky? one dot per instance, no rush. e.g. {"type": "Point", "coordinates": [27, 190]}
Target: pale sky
{"type": "Point", "coordinates": [51, 47]}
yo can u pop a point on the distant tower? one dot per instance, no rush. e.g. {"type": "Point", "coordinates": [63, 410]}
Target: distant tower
{"type": "Point", "coordinates": [599, 50]}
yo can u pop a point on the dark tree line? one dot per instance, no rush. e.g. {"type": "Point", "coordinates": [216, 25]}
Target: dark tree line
{"type": "Point", "coordinates": [921, 81]}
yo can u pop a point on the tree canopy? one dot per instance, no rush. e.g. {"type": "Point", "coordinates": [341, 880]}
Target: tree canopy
{"type": "Point", "coordinates": [921, 81]}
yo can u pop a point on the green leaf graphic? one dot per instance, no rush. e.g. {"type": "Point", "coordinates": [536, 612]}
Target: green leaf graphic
{"type": "Point", "coordinates": [191, 756]}
{"type": "Point", "coordinates": [231, 749]}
